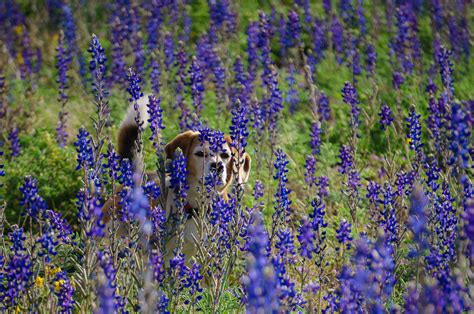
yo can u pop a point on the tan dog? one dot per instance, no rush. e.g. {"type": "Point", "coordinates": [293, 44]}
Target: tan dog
{"type": "Point", "coordinates": [200, 162]}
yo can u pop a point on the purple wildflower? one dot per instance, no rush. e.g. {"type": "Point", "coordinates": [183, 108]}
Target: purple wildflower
{"type": "Point", "coordinates": [14, 139]}
{"type": "Point", "coordinates": [343, 233]}
{"type": "Point", "coordinates": [260, 280]}
{"type": "Point", "coordinates": [351, 98]}
{"type": "Point", "coordinates": [386, 117]}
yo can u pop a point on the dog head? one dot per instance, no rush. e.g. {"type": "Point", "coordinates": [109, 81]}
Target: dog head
{"type": "Point", "coordinates": [202, 161]}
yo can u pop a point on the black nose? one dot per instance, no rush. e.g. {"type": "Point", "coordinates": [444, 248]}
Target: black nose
{"type": "Point", "coordinates": [217, 167]}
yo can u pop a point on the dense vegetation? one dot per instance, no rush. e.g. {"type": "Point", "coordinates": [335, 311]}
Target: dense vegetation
{"type": "Point", "coordinates": [357, 115]}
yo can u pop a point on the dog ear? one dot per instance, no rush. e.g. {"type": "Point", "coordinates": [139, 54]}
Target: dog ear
{"type": "Point", "coordinates": [183, 141]}
{"type": "Point", "coordinates": [244, 169]}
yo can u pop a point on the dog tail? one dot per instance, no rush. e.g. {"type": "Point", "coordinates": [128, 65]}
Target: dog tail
{"type": "Point", "coordinates": [129, 129]}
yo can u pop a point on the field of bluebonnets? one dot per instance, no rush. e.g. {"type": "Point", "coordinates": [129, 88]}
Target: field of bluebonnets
{"type": "Point", "coordinates": [357, 115]}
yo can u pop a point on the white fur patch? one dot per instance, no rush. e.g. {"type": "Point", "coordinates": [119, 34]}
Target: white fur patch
{"type": "Point", "coordinates": [132, 113]}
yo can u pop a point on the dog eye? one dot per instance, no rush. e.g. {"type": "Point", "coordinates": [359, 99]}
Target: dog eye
{"type": "Point", "coordinates": [199, 154]}
{"type": "Point", "coordinates": [224, 155]}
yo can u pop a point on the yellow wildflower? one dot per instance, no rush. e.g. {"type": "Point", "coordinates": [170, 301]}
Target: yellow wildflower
{"type": "Point", "coordinates": [18, 29]}
{"type": "Point", "coordinates": [51, 271]}
{"type": "Point", "coordinates": [58, 284]}
{"type": "Point", "coordinates": [39, 282]}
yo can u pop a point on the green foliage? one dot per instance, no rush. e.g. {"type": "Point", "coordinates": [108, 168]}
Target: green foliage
{"type": "Point", "coordinates": [53, 166]}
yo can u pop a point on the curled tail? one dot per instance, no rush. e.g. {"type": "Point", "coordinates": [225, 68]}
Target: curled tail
{"type": "Point", "coordinates": [129, 130]}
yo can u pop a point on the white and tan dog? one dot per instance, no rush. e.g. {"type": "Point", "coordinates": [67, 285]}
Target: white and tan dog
{"type": "Point", "coordinates": [200, 162]}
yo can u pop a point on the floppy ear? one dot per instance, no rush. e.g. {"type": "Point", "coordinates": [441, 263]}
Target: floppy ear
{"type": "Point", "coordinates": [244, 170]}
{"type": "Point", "coordinates": [183, 141]}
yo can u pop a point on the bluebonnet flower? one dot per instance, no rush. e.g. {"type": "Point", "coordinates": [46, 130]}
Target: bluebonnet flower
{"type": "Point", "coordinates": [118, 66]}
{"type": "Point", "coordinates": [155, 119]}
{"type": "Point", "coordinates": [110, 273]}
{"type": "Point", "coordinates": [432, 173]}
{"type": "Point", "coordinates": [90, 209]}
{"type": "Point", "coordinates": [221, 15]}
{"type": "Point", "coordinates": [193, 280]}
{"type": "Point", "coordinates": [17, 275]}
{"type": "Point", "coordinates": [446, 70]}
{"type": "Point", "coordinates": [337, 31]}
{"type": "Point", "coordinates": [343, 233]}
{"type": "Point", "coordinates": [64, 291]}
{"type": "Point", "coordinates": [468, 218]}
{"type": "Point", "coordinates": [323, 107]}
{"type": "Point", "coordinates": [17, 238]}
{"type": "Point", "coordinates": [406, 42]}
{"type": "Point", "coordinates": [323, 184]}
{"type": "Point", "coordinates": [405, 182]}
{"type": "Point", "coordinates": [371, 59]}
{"type": "Point", "coordinates": [112, 163]}
{"type": "Point", "coordinates": [169, 51]}
{"type": "Point", "coordinates": [292, 96]}
{"type": "Point", "coordinates": [289, 298]}
{"type": "Point", "coordinates": [14, 139]}
{"type": "Point", "coordinates": [282, 201]}
{"type": "Point", "coordinates": [315, 135]}
{"type": "Point", "coordinates": [158, 266]}
{"type": "Point", "coordinates": [355, 62]}
{"type": "Point", "coordinates": [350, 97]}
{"type": "Point", "coordinates": [260, 280]}
{"type": "Point", "coordinates": [178, 270]}
{"type": "Point", "coordinates": [48, 246]}
{"type": "Point", "coordinates": [31, 201]}
{"type": "Point", "coordinates": [215, 138]}
{"type": "Point", "coordinates": [346, 11]}
{"type": "Point", "coordinates": [162, 304]}
{"type": "Point", "coordinates": [386, 116]}
{"type": "Point", "coordinates": [361, 20]}
{"type": "Point", "coordinates": [154, 25]}
{"type": "Point", "coordinates": [275, 104]}
{"type": "Point", "coordinates": [397, 80]}
{"type": "Point", "coordinates": [347, 160]}
{"type": "Point", "coordinates": [140, 207]}
{"type": "Point", "coordinates": [69, 27]}
{"type": "Point", "coordinates": [252, 54]}
{"type": "Point", "coordinates": [319, 37]}
{"type": "Point", "coordinates": [373, 193]}
{"type": "Point", "coordinates": [293, 29]}
{"type": "Point", "coordinates": [436, 116]}
{"type": "Point", "coordinates": [389, 222]}
{"type": "Point", "coordinates": [178, 179]}
{"type": "Point", "coordinates": [259, 190]}
{"type": "Point", "coordinates": [370, 279]}
{"type": "Point", "coordinates": [60, 226]}
{"type": "Point", "coordinates": [418, 220]}
{"type": "Point", "coordinates": [238, 127]}
{"type": "Point", "coordinates": [97, 68]}
{"type": "Point", "coordinates": [136, 93]}
{"type": "Point", "coordinates": [155, 74]}
{"type": "Point", "coordinates": [85, 155]}
{"type": "Point", "coordinates": [134, 86]}
{"type": "Point", "coordinates": [285, 245]}
{"type": "Point", "coordinates": [414, 130]}
{"type": "Point", "coordinates": [459, 137]}
{"type": "Point", "coordinates": [440, 297]}
{"type": "Point", "coordinates": [306, 238]}
{"type": "Point", "coordinates": [310, 170]}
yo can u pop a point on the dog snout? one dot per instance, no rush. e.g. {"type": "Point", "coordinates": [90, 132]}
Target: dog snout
{"type": "Point", "coordinates": [217, 167]}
